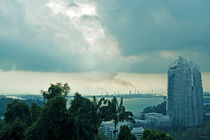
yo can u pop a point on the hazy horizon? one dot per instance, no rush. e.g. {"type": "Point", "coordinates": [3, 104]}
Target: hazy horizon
{"type": "Point", "coordinates": [89, 83]}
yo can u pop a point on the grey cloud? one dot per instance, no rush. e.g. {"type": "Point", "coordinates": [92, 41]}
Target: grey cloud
{"type": "Point", "coordinates": [71, 4]}
{"type": "Point", "coordinates": [142, 26]}
{"type": "Point", "coordinates": [24, 47]}
{"type": "Point", "coordinates": [33, 38]}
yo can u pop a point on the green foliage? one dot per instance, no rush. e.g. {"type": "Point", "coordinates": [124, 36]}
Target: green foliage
{"type": "Point", "coordinates": [13, 131]}
{"type": "Point", "coordinates": [117, 112]}
{"type": "Point", "coordinates": [56, 90]}
{"type": "Point", "coordinates": [80, 121]}
{"type": "Point", "coordinates": [149, 134]}
{"type": "Point", "coordinates": [160, 108]}
{"type": "Point", "coordinates": [87, 117]}
{"type": "Point", "coordinates": [81, 113]}
{"type": "Point", "coordinates": [35, 112]}
{"type": "Point", "coordinates": [52, 122]}
{"type": "Point", "coordinates": [17, 109]}
{"type": "Point", "coordinates": [206, 108]}
{"type": "Point", "coordinates": [1, 123]}
{"type": "Point", "coordinates": [101, 137]}
{"type": "Point", "coordinates": [190, 134]}
{"type": "Point", "coordinates": [125, 133]}
{"type": "Point", "coordinates": [4, 101]}
{"type": "Point", "coordinates": [196, 133]}
{"type": "Point", "coordinates": [3, 104]}
{"type": "Point", "coordinates": [98, 114]}
{"type": "Point", "coordinates": [29, 102]}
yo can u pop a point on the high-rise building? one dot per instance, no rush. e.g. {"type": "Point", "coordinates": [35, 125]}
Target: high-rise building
{"type": "Point", "coordinates": [185, 94]}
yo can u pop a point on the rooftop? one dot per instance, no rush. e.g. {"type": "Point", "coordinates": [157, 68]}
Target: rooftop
{"type": "Point", "coordinates": [180, 62]}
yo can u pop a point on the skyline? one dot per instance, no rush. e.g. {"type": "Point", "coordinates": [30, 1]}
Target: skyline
{"type": "Point", "coordinates": [93, 83]}
{"type": "Point", "coordinates": [99, 46]}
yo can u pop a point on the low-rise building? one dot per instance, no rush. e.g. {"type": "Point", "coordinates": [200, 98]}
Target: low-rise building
{"type": "Point", "coordinates": [156, 120]}
{"type": "Point", "coordinates": [107, 128]}
{"type": "Point", "coordinates": [153, 121]}
{"type": "Point", "coordinates": [138, 132]}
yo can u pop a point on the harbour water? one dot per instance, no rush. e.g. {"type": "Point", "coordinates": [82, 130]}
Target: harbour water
{"type": "Point", "coordinates": [136, 105]}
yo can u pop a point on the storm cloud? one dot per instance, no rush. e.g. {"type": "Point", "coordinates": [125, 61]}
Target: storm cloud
{"type": "Point", "coordinates": [106, 35]}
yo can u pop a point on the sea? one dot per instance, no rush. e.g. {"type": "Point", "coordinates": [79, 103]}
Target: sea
{"type": "Point", "coordinates": [133, 104]}
{"type": "Point", "coordinates": [136, 105]}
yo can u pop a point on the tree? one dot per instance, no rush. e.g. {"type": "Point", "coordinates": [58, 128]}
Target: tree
{"type": "Point", "coordinates": [125, 133]}
{"type": "Point", "coordinates": [149, 134]}
{"type": "Point", "coordinates": [87, 116]}
{"type": "Point", "coordinates": [4, 101]}
{"type": "Point", "coordinates": [118, 112]}
{"type": "Point", "coordinates": [3, 104]}
{"type": "Point", "coordinates": [191, 134]}
{"type": "Point", "coordinates": [81, 113]}
{"type": "Point", "coordinates": [97, 113]}
{"type": "Point", "coordinates": [1, 123]}
{"type": "Point", "coordinates": [206, 108]}
{"type": "Point", "coordinates": [160, 108]}
{"type": "Point", "coordinates": [13, 131]}
{"type": "Point", "coordinates": [55, 90]}
{"type": "Point", "coordinates": [51, 123]}
{"type": "Point", "coordinates": [35, 112]}
{"type": "Point", "coordinates": [17, 109]}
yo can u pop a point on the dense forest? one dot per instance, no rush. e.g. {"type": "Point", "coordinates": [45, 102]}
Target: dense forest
{"type": "Point", "coordinates": [160, 108]}
{"type": "Point", "coordinates": [54, 120]}
{"type": "Point", "coordinates": [51, 119]}
{"type": "Point", "coordinates": [4, 101]}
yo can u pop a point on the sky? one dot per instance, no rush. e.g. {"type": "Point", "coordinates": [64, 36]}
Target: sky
{"type": "Point", "coordinates": [100, 46]}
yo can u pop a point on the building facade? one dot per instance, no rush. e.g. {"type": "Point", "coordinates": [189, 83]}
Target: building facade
{"type": "Point", "coordinates": [107, 129]}
{"type": "Point", "coordinates": [185, 94]}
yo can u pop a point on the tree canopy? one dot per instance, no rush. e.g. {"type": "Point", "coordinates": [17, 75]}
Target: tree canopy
{"type": "Point", "coordinates": [117, 112]}
{"type": "Point", "coordinates": [13, 131]}
{"type": "Point", "coordinates": [125, 133]}
{"type": "Point", "coordinates": [17, 109]}
{"type": "Point", "coordinates": [55, 90]}
{"type": "Point", "coordinates": [149, 134]}
{"type": "Point", "coordinates": [160, 108]}
{"type": "Point", "coordinates": [80, 121]}
{"type": "Point", "coordinates": [51, 124]}
{"type": "Point", "coordinates": [35, 112]}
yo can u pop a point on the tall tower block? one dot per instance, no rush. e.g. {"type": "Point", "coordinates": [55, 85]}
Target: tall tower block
{"type": "Point", "coordinates": [185, 94]}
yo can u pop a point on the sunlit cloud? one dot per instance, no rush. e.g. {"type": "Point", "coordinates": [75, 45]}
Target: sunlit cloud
{"type": "Point", "coordinates": [74, 10]}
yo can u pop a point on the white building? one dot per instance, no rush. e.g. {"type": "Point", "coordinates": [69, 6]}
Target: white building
{"type": "Point", "coordinates": [107, 129]}
{"type": "Point", "coordinates": [156, 120]}
{"type": "Point", "coordinates": [138, 132]}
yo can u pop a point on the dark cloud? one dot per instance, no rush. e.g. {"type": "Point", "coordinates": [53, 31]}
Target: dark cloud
{"type": "Point", "coordinates": [34, 38]}
{"type": "Point", "coordinates": [16, 54]}
{"type": "Point", "coordinates": [144, 26]}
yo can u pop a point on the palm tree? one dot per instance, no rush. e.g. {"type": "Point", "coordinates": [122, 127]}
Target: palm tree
{"type": "Point", "coordinates": [118, 112]}
{"type": "Point", "coordinates": [97, 113]}
{"type": "Point", "coordinates": [87, 116]}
